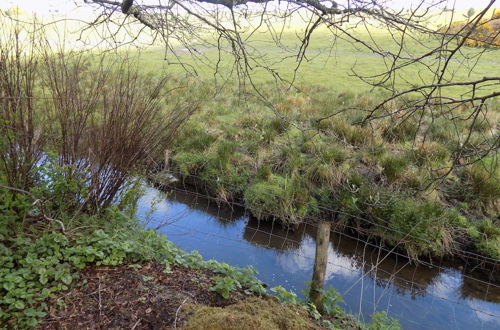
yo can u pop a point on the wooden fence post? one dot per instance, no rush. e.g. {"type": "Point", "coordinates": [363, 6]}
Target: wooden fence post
{"type": "Point", "coordinates": [320, 262]}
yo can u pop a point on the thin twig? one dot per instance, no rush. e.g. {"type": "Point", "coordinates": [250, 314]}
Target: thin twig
{"type": "Point", "coordinates": [177, 312]}
{"type": "Point", "coordinates": [100, 304]}
{"type": "Point", "coordinates": [136, 324]}
{"type": "Point", "coordinates": [36, 201]}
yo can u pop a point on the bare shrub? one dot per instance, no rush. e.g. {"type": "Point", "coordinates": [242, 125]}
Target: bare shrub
{"type": "Point", "coordinates": [20, 131]}
{"type": "Point", "coordinates": [103, 119]}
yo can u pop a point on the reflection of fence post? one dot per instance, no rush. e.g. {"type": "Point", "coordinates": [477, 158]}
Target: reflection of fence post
{"type": "Point", "coordinates": [320, 262]}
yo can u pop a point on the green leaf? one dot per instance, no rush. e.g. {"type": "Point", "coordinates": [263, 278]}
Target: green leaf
{"type": "Point", "coordinates": [67, 279]}
{"type": "Point", "coordinates": [135, 266]}
{"type": "Point", "coordinates": [147, 278]}
{"type": "Point", "coordinates": [8, 286]}
{"type": "Point", "coordinates": [32, 322]}
{"type": "Point", "coordinates": [43, 279]}
{"type": "Point", "coordinates": [30, 312]}
{"type": "Point", "coordinates": [19, 304]}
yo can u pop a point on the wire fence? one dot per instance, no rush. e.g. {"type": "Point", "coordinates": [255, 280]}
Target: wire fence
{"type": "Point", "coordinates": [481, 272]}
{"type": "Point", "coordinates": [371, 254]}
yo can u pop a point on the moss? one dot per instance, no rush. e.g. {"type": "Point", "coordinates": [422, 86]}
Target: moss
{"type": "Point", "coordinates": [251, 313]}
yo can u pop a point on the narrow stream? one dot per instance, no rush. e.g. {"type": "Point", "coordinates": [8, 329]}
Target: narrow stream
{"type": "Point", "coordinates": [420, 297]}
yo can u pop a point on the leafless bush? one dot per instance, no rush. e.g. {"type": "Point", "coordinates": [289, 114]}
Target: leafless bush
{"type": "Point", "coordinates": [103, 119]}
{"type": "Point", "coordinates": [20, 131]}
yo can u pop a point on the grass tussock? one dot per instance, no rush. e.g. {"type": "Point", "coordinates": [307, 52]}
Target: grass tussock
{"type": "Point", "coordinates": [285, 198]}
{"type": "Point", "coordinates": [487, 238]}
{"type": "Point", "coordinates": [422, 229]}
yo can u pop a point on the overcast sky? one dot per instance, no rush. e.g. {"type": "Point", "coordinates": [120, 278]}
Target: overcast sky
{"type": "Point", "coordinates": [68, 6]}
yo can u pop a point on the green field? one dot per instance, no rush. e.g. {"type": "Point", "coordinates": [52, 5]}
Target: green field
{"type": "Point", "coordinates": [331, 62]}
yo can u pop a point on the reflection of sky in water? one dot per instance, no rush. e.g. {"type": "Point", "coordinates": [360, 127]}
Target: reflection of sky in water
{"type": "Point", "coordinates": [160, 205]}
{"type": "Point", "coordinates": [449, 284]}
{"type": "Point", "coordinates": [303, 260]}
{"type": "Point", "coordinates": [197, 227]}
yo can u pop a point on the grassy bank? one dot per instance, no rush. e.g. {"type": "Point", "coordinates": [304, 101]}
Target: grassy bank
{"type": "Point", "coordinates": [383, 179]}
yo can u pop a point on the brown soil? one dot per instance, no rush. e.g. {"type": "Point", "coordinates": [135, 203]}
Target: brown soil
{"type": "Point", "coordinates": [128, 297]}
{"type": "Point", "coordinates": [142, 296]}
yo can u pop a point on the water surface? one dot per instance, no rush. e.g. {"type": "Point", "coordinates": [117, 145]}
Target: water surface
{"type": "Point", "coordinates": [420, 297]}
